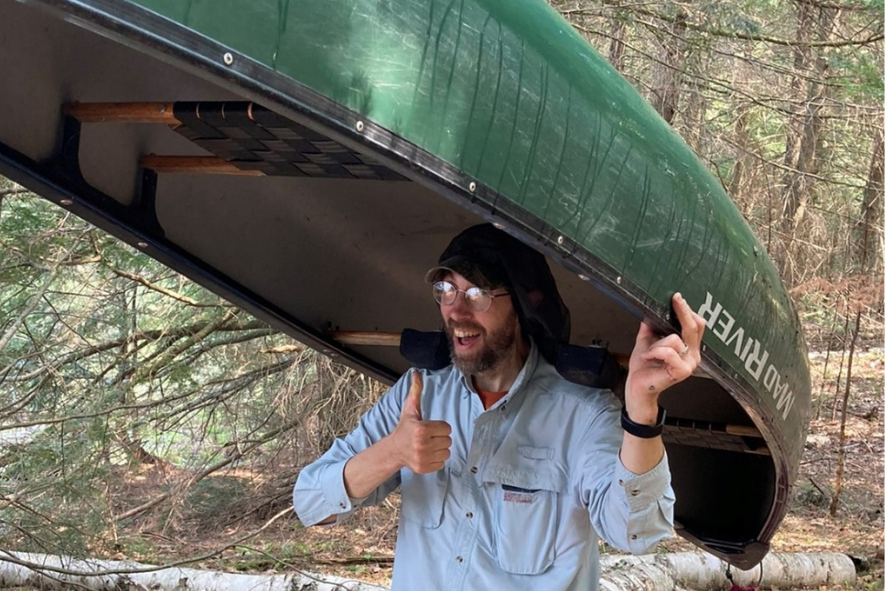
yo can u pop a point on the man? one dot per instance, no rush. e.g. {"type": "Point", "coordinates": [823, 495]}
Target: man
{"type": "Point", "coordinates": [508, 472]}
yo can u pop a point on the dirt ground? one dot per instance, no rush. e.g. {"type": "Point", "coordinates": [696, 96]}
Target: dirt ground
{"type": "Point", "coordinates": [363, 549]}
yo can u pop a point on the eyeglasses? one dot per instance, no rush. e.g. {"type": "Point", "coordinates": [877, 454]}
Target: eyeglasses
{"type": "Point", "coordinates": [477, 299]}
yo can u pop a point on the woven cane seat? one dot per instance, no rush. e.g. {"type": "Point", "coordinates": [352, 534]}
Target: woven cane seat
{"type": "Point", "coordinates": [253, 138]}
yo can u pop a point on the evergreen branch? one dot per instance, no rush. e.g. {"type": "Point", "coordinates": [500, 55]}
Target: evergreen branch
{"type": "Point", "coordinates": [173, 351]}
{"type": "Point", "coordinates": [167, 292]}
{"type": "Point", "coordinates": [148, 335]}
{"type": "Point", "coordinates": [234, 340]}
{"type": "Point", "coordinates": [237, 453]}
{"type": "Point", "coordinates": [29, 307]}
{"type": "Point", "coordinates": [253, 376]}
{"type": "Point", "coordinates": [228, 388]}
{"type": "Point", "coordinates": [13, 191]}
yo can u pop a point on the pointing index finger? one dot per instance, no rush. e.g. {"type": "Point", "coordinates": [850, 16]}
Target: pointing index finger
{"type": "Point", "coordinates": [691, 324]}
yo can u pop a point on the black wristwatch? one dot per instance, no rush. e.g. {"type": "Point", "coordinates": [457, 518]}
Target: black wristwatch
{"type": "Point", "coordinates": [643, 431]}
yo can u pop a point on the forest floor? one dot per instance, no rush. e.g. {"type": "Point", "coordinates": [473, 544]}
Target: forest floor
{"type": "Point", "coordinates": [363, 549]}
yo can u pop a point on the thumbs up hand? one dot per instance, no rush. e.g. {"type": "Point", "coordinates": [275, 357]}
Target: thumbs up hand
{"type": "Point", "coordinates": [423, 446]}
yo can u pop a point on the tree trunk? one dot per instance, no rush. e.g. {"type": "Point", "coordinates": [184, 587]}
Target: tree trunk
{"type": "Point", "coordinates": [742, 145]}
{"type": "Point", "coordinates": [869, 232]}
{"type": "Point", "coordinates": [692, 122]}
{"type": "Point", "coordinates": [661, 572]}
{"type": "Point", "coordinates": [804, 130]}
{"type": "Point", "coordinates": [617, 43]}
{"type": "Point", "coordinates": [665, 79]}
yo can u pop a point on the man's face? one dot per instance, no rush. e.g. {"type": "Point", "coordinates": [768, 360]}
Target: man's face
{"type": "Point", "coordinates": [478, 341]}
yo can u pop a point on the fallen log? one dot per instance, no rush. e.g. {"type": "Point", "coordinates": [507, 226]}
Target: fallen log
{"type": "Point", "coordinates": [660, 572]}
{"type": "Point", "coordinates": [689, 570]}
{"type": "Point", "coordinates": [45, 571]}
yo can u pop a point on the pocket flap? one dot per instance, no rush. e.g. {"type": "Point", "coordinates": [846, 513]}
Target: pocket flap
{"type": "Point", "coordinates": [528, 474]}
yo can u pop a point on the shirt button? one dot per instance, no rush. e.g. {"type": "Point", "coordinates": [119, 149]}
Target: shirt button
{"type": "Point", "coordinates": [469, 515]}
{"type": "Point", "coordinates": [342, 505]}
{"type": "Point", "coordinates": [473, 469]}
{"type": "Point", "coordinates": [633, 536]}
{"type": "Point", "coordinates": [621, 482]}
{"type": "Point", "coordinates": [635, 492]}
{"type": "Point", "coordinates": [459, 559]}
{"type": "Point", "coordinates": [502, 407]}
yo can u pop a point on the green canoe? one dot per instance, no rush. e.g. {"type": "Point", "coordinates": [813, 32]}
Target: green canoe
{"type": "Point", "coordinates": [309, 160]}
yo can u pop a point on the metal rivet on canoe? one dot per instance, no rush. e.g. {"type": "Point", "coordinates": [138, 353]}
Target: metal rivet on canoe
{"type": "Point", "coordinates": [359, 126]}
{"type": "Point", "coordinates": [67, 201]}
{"type": "Point", "coordinates": [229, 58]}
{"type": "Point", "coordinates": [618, 280]}
{"type": "Point", "coordinates": [472, 186]}
{"type": "Point", "coordinates": [498, 225]}
{"type": "Point", "coordinates": [583, 277]}
{"type": "Point", "coordinates": [560, 240]}
{"type": "Point", "coordinates": [142, 244]}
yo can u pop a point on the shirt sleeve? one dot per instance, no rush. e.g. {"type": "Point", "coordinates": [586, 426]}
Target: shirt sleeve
{"type": "Point", "coordinates": [631, 512]}
{"type": "Point", "coordinates": [320, 488]}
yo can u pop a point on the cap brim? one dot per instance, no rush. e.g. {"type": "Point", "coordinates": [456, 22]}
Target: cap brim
{"type": "Point", "coordinates": [458, 264]}
{"type": "Point", "coordinates": [435, 274]}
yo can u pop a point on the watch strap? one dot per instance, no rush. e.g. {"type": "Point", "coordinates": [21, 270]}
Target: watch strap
{"type": "Point", "coordinates": [643, 431]}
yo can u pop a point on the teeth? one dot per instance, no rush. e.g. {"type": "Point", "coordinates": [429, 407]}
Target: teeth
{"type": "Point", "coordinates": [464, 334]}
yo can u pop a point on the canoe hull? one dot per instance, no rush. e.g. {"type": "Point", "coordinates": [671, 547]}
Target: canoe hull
{"type": "Point", "coordinates": [502, 127]}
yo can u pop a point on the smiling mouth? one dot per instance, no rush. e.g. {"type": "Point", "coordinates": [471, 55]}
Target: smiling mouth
{"type": "Point", "coordinates": [465, 338]}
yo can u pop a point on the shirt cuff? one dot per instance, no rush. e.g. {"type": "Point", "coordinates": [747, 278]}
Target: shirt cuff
{"type": "Point", "coordinates": [332, 483]}
{"type": "Point", "coordinates": [641, 490]}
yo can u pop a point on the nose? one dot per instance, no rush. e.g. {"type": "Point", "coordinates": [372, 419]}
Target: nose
{"type": "Point", "coordinates": [457, 309]}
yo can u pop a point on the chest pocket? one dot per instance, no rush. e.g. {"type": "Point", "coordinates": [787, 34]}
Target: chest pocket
{"type": "Point", "coordinates": [423, 496]}
{"type": "Point", "coordinates": [526, 500]}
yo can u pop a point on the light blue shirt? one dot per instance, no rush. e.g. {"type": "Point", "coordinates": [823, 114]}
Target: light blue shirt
{"type": "Point", "coordinates": [530, 485]}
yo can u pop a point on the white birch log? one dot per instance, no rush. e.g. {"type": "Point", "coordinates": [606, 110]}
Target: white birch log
{"type": "Point", "coordinates": [688, 570]}
{"type": "Point", "coordinates": [663, 572]}
{"type": "Point", "coordinates": [57, 572]}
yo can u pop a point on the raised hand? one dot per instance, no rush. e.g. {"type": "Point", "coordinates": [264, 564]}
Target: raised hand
{"type": "Point", "coordinates": [423, 446]}
{"type": "Point", "coordinates": [660, 362]}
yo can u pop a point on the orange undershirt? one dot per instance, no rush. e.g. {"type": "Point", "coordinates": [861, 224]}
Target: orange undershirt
{"type": "Point", "coordinates": [489, 398]}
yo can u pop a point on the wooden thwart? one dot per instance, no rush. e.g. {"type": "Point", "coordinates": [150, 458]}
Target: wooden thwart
{"type": "Point", "coordinates": [122, 113]}
{"type": "Point", "coordinates": [356, 337]}
{"type": "Point", "coordinates": [193, 165]}
{"type": "Point", "coordinates": [743, 431]}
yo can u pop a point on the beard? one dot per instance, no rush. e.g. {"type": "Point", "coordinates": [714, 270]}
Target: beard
{"type": "Point", "coordinates": [495, 346]}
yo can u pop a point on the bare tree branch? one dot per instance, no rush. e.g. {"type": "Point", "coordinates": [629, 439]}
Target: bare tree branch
{"type": "Point", "coordinates": [732, 34]}
{"type": "Point", "coordinates": [168, 292]}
